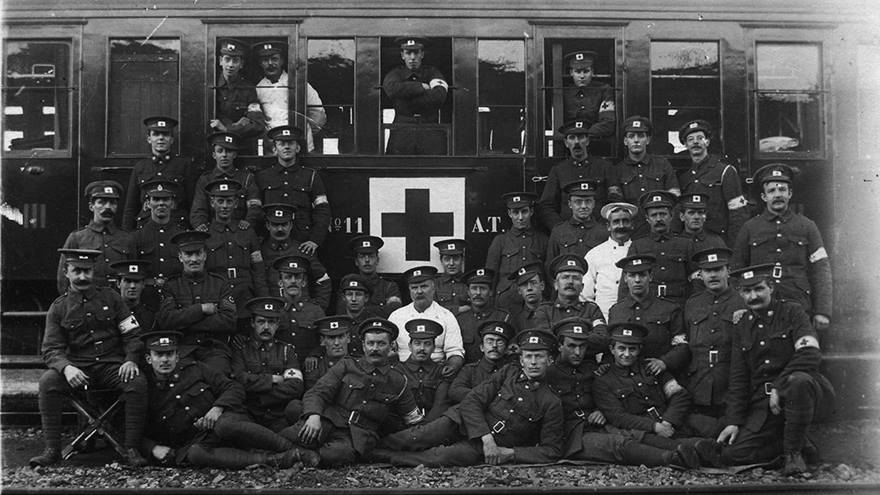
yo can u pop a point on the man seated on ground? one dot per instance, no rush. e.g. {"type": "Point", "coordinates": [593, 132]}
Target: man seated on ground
{"type": "Point", "coordinates": [343, 412]}
{"type": "Point", "coordinates": [481, 294]}
{"type": "Point", "coordinates": [494, 337]}
{"type": "Point", "coordinates": [196, 416]}
{"type": "Point", "coordinates": [268, 369]}
{"type": "Point", "coordinates": [511, 418]}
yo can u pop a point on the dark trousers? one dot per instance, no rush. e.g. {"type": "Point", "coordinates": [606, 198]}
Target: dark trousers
{"type": "Point", "coordinates": [416, 140]}
{"type": "Point", "coordinates": [334, 445]}
{"type": "Point", "coordinates": [236, 442]}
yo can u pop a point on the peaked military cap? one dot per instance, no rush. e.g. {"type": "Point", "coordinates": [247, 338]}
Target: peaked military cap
{"type": "Point", "coordinates": [223, 187]}
{"type": "Point", "coordinates": [190, 240]}
{"type": "Point", "coordinates": [636, 263]}
{"type": "Point", "coordinates": [610, 208]}
{"type": "Point", "coordinates": [232, 47]}
{"type": "Point", "coordinates": [754, 275]}
{"type": "Point", "coordinates": [498, 328]}
{"type": "Point", "coordinates": [637, 123]}
{"type": "Point", "coordinates": [519, 199]}
{"type": "Point", "coordinates": [159, 188]}
{"type": "Point", "coordinates": [580, 58]}
{"type": "Point", "coordinates": [568, 263]}
{"type": "Point", "coordinates": [80, 258]}
{"type": "Point", "coordinates": [581, 187]}
{"type": "Point", "coordinates": [159, 123]}
{"type": "Point", "coordinates": [285, 133]}
{"type": "Point", "coordinates": [109, 189]}
{"type": "Point", "coordinates": [265, 306]}
{"type": "Point", "coordinates": [411, 42]}
{"type": "Point", "coordinates": [774, 172]}
{"type": "Point", "coordinates": [131, 269]}
{"type": "Point", "coordinates": [266, 48]}
{"type": "Point", "coordinates": [279, 212]}
{"type": "Point", "coordinates": [574, 327]}
{"type": "Point", "coordinates": [712, 257]}
{"type": "Point", "coordinates": [378, 325]}
{"type": "Point", "coordinates": [536, 340]}
{"type": "Point", "coordinates": [696, 201]}
{"type": "Point", "coordinates": [366, 244]}
{"type": "Point", "coordinates": [423, 328]}
{"type": "Point", "coordinates": [575, 127]}
{"type": "Point", "coordinates": [657, 199]}
{"type": "Point", "coordinates": [527, 271]}
{"type": "Point", "coordinates": [451, 246]}
{"type": "Point", "coordinates": [162, 340]}
{"type": "Point", "coordinates": [331, 326]}
{"type": "Point", "coordinates": [479, 276]}
{"type": "Point", "coordinates": [628, 333]}
{"type": "Point", "coordinates": [291, 264]}
{"type": "Point", "coordinates": [694, 126]}
{"type": "Point", "coordinates": [420, 274]}
{"type": "Point", "coordinates": [228, 140]}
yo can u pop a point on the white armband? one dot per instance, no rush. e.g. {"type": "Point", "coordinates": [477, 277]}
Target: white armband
{"type": "Point", "coordinates": [128, 324]}
{"type": "Point", "coordinates": [254, 203]}
{"type": "Point", "coordinates": [320, 199]}
{"type": "Point", "coordinates": [679, 339]}
{"type": "Point", "coordinates": [606, 106]}
{"type": "Point", "coordinates": [598, 321]}
{"type": "Point", "coordinates": [254, 107]}
{"type": "Point", "coordinates": [671, 388]}
{"type": "Point", "coordinates": [820, 254]}
{"type": "Point", "coordinates": [737, 203]}
{"type": "Point", "coordinates": [806, 341]}
{"type": "Point", "coordinates": [438, 82]}
{"type": "Point", "coordinates": [291, 373]}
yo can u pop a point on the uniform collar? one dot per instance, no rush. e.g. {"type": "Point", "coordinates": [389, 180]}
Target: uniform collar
{"type": "Point", "coordinates": [288, 168]}
{"type": "Point", "coordinates": [369, 368]}
{"type": "Point", "coordinates": [414, 366]}
{"type": "Point", "coordinates": [278, 245]}
{"type": "Point", "coordinates": [577, 304]}
{"type": "Point", "coordinates": [586, 223]}
{"type": "Point", "coordinates": [160, 159]}
{"type": "Point", "coordinates": [583, 163]}
{"type": "Point", "coordinates": [217, 173]}
{"type": "Point", "coordinates": [217, 226]}
{"type": "Point", "coordinates": [194, 276]}
{"type": "Point", "coordinates": [527, 232]}
{"type": "Point", "coordinates": [631, 302]}
{"type": "Point", "coordinates": [487, 364]}
{"type": "Point", "coordinates": [770, 216]}
{"type": "Point", "coordinates": [101, 227]}
{"type": "Point", "coordinates": [260, 345]}
{"type": "Point", "coordinates": [660, 237]}
{"type": "Point", "coordinates": [766, 315]}
{"type": "Point", "coordinates": [531, 383]}
{"type": "Point", "coordinates": [630, 161]}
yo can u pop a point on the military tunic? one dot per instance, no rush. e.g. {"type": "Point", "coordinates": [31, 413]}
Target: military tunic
{"type": "Point", "coordinates": [178, 169]}
{"type": "Point", "coordinates": [247, 208]}
{"type": "Point", "coordinates": [794, 242]}
{"type": "Point", "coordinates": [114, 244]}
{"type": "Point", "coordinates": [253, 366]}
{"type": "Point", "coordinates": [355, 343]}
{"type": "Point", "coordinates": [574, 386]}
{"type": "Point", "coordinates": [575, 237]}
{"type": "Point", "coordinates": [415, 106]}
{"type": "Point", "coordinates": [672, 270]}
{"type": "Point", "coordinates": [524, 318]}
{"type": "Point", "coordinates": [593, 103]}
{"type": "Point", "coordinates": [472, 374]}
{"type": "Point", "coordinates": [630, 179]}
{"type": "Point", "coordinates": [726, 210]}
{"type": "Point", "coordinates": [553, 208]}
{"type": "Point", "coordinates": [152, 242]}
{"type": "Point", "coordinates": [231, 253]}
{"type": "Point", "coordinates": [450, 292]}
{"type": "Point", "coordinates": [297, 326]}
{"type": "Point", "coordinates": [548, 313]}
{"type": "Point", "coordinates": [319, 289]}
{"type": "Point", "coordinates": [429, 388]}
{"type": "Point", "coordinates": [709, 318]}
{"type": "Point", "coordinates": [469, 322]}
{"type": "Point", "coordinates": [303, 188]}
{"type": "Point", "coordinates": [667, 334]}
{"type": "Point", "coordinates": [508, 252]}
{"type": "Point", "coordinates": [237, 99]}
{"type": "Point", "coordinates": [381, 289]}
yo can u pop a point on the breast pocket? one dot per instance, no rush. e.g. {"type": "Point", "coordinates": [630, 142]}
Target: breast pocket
{"type": "Point", "coordinates": [794, 250]}
{"type": "Point", "coordinates": [119, 250]}
{"type": "Point", "coordinates": [351, 393]}
{"type": "Point", "coordinates": [197, 400]}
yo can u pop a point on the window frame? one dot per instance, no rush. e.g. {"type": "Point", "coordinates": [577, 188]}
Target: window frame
{"type": "Point", "coordinates": [306, 40]}
{"type": "Point", "coordinates": [524, 141]}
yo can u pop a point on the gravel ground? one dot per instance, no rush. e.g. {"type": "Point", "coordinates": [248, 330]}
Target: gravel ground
{"type": "Point", "coordinates": [849, 452]}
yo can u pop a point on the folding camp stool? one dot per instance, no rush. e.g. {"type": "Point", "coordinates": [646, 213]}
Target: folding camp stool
{"type": "Point", "coordinates": [96, 418]}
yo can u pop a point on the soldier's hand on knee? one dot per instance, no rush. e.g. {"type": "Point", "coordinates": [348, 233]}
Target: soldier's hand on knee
{"type": "Point", "coordinates": [311, 430]}
{"type": "Point", "coordinates": [491, 451]}
{"type": "Point", "coordinates": [775, 406]}
{"type": "Point", "coordinates": [664, 429]}
{"type": "Point", "coordinates": [728, 434]}
{"type": "Point", "coordinates": [75, 376]}
{"type": "Point", "coordinates": [128, 371]}
{"type": "Point", "coordinates": [210, 418]}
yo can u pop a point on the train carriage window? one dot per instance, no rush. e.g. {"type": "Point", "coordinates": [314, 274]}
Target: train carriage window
{"type": "Point", "coordinates": [868, 86]}
{"type": "Point", "coordinates": [685, 85]}
{"type": "Point", "coordinates": [788, 104]}
{"type": "Point", "coordinates": [36, 95]}
{"type": "Point", "coordinates": [331, 71]}
{"type": "Point", "coordinates": [584, 90]}
{"type": "Point", "coordinates": [501, 97]}
{"type": "Point", "coordinates": [144, 80]}
{"type": "Point", "coordinates": [416, 95]}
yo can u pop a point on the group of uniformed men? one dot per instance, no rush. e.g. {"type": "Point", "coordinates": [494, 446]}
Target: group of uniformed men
{"type": "Point", "coordinates": [644, 352]}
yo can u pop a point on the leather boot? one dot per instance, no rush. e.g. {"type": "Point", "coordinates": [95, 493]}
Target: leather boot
{"type": "Point", "coordinates": [709, 452]}
{"type": "Point", "coordinates": [637, 454]}
{"type": "Point", "coordinates": [290, 457]}
{"type": "Point", "coordinates": [810, 453]}
{"type": "Point", "coordinates": [794, 464]}
{"type": "Point", "coordinates": [686, 455]}
{"type": "Point", "coordinates": [49, 456]}
{"type": "Point", "coordinates": [134, 458]}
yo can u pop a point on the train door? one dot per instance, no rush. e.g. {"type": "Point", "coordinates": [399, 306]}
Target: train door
{"type": "Point", "coordinates": [40, 163]}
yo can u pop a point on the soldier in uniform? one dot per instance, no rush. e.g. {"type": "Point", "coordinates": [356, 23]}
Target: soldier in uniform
{"type": "Point", "coordinates": [384, 293]}
{"type": "Point", "coordinates": [791, 241]}
{"type": "Point", "coordinates": [521, 244]}
{"type": "Point", "coordinates": [673, 253]}
{"type": "Point", "coordinates": [418, 91]}
{"type": "Point", "coordinates": [224, 149]}
{"type": "Point", "coordinates": [196, 416]}
{"type": "Point", "coordinates": [199, 304]}
{"type": "Point", "coordinates": [709, 315]}
{"type": "Point", "coordinates": [449, 349]}
{"type": "Point", "coordinates": [709, 174]}
{"type": "Point", "coordinates": [161, 165]}
{"type": "Point", "coordinates": [692, 213]}
{"type": "Point", "coordinates": [513, 417]}
{"type": "Point", "coordinates": [603, 276]}
{"type": "Point", "coordinates": [451, 291]}
{"type": "Point", "coordinates": [279, 243]}
{"type": "Point", "coordinates": [273, 91]}
{"type": "Point", "coordinates": [423, 376]}
{"type": "Point", "coordinates": [640, 171]}
{"type": "Point", "coordinates": [580, 233]}
{"type": "Point", "coordinates": [234, 252]}
{"type": "Point", "coordinates": [494, 338]}
{"type": "Point", "coordinates": [268, 369]}
{"type": "Point", "coordinates": [776, 389]}
{"type": "Point", "coordinates": [288, 181]}
{"type": "Point", "coordinates": [571, 377]}
{"type": "Point", "coordinates": [152, 242]}
{"type": "Point", "coordinates": [655, 407]}
{"type": "Point", "coordinates": [100, 234]}
{"type": "Point", "coordinates": [238, 108]}
{"type": "Point", "coordinates": [529, 281]}
{"type": "Point", "coordinates": [355, 294]}
{"type": "Point", "coordinates": [91, 338]}
{"type": "Point", "coordinates": [131, 275]}
{"type": "Point", "coordinates": [553, 206]}
{"type": "Point", "coordinates": [665, 347]}
{"type": "Point", "coordinates": [343, 412]}
{"type": "Point", "coordinates": [479, 283]}
{"type": "Point", "coordinates": [569, 272]}
{"type": "Point", "coordinates": [300, 314]}
{"type": "Point", "coordinates": [586, 99]}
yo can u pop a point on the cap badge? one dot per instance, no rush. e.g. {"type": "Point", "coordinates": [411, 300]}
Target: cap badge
{"type": "Point", "coordinates": [516, 199]}
{"type": "Point", "coordinates": [695, 198]}
{"type": "Point", "coordinates": [377, 324]}
{"type": "Point", "coordinates": [334, 324]}
{"type": "Point", "coordinates": [577, 329]}
{"type": "Point", "coordinates": [160, 187]}
{"type": "Point", "coordinates": [579, 56]}
{"type": "Point", "coordinates": [164, 341]}
{"type": "Point", "coordinates": [522, 271]}
{"type": "Point", "coordinates": [285, 132]}
{"type": "Point", "coordinates": [637, 123]}
{"type": "Point", "coordinates": [692, 125]}
{"type": "Point", "coordinates": [420, 328]}
{"type": "Point", "coordinates": [82, 257]}
{"type": "Point", "coordinates": [108, 190]}
{"type": "Point", "coordinates": [481, 272]}
{"type": "Point", "coordinates": [279, 213]}
{"type": "Point", "coordinates": [499, 330]}
{"type": "Point", "coordinates": [267, 46]}
{"type": "Point", "coordinates": [450, 246]}
{"type": "Point", "coordinates": [416, 273]}
{"type": "Point", "coordinates": [748, 275]}
{"type": "Point", "coordinates": [132, 268]}
{"type": "Point", "coordinates": [268, 306]}
{"type": "Point", "coordinates": [636, 262]}
{"type": "Point", "coordinates": [712, 257]}
{"type": "Point", "coordinates": [224, 187]}
{"type": "Point", "coordinates": [534, 340]}
{"type": "Point", "coordinates": [230, 46]}
{"type": "Point", "coordinates": [656, 198]}
{"type": "Point", "coordinates": [585, 186]}
{"type": "Point", "coordinates": [352, 283]}
{"type": "Point", "coordinates": [578, 125]}
{"type": "Point", "coordinates": [627, 332]}
{"type": "Point", "coordinates": [228, 139]}
{"type": "Point", "coordinates": [160, 123]}
{"type": "Point", "coordinates": [570, 263]}
{"type": "Point", "coordinates": [776, 173]}
{"type": "Point", "coordinates": [410, 42]}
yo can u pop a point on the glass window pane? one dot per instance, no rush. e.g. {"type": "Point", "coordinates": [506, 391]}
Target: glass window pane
{"type": "Point", "coordinates": [868, 81]}
{"type": "Point", "coordinates": [685, 92]}
{"type": "Point", "coordinates": [331, 74]}
{"type": "Point", "coordinates": [143, 81]}
{"type": "Point", "coordinates": [681, 58]}
{"type": "Point", "coordinates": [501, 100]}
{"type": "Point", "coordinates": [36, 96]}
{"type": "Point", "coordinates": [788, 66]}
{"type": "Point", "coordinates": [789, 122]}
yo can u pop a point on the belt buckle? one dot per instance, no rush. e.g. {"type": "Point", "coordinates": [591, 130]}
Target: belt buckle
{"type": "Point", "coordinates": [354, 417]}
{"type": "Point", "coordinates": [713, 357]}
{"type": "Point", "coordinates": [231, 273]}
{"type": "Point", "coordinates": [768, 388]}
{"type": "Point", "coordinates": [777, 271]}
{"type": "Point", "coordinates": [498, 427]}
{"type": "Point", "coordinates": [661, 290]}
{"type": "Point", "coordinates": [580, 413]}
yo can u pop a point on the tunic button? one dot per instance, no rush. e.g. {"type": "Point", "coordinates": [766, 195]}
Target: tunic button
{"type": "Point", "coordinates": [177, 397]}
{"type": "Point", "coordinates": [186, 408]}
{"type": "Point", "coordinates": [766, 361]}
{"type": "Point", "coordinates": [519, 399]}
{"type": "Point", "coordinates": [761, 342]}
{"type": "Point", "coordinates": [511, 410]}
